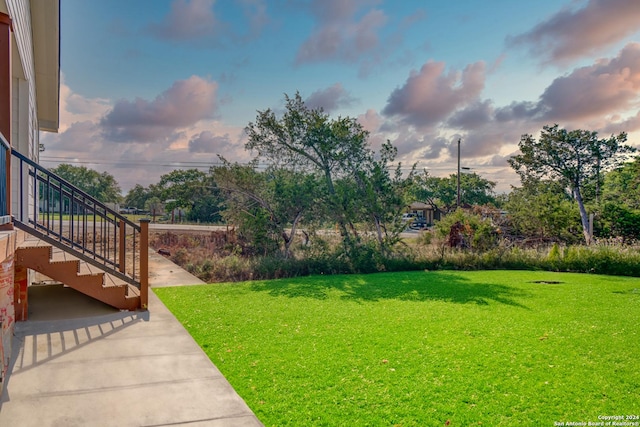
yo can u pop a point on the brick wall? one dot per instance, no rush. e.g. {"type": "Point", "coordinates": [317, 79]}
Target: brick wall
{"type": "Point", "coordinates": [7, 295]}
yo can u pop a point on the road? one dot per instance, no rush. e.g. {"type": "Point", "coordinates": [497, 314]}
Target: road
{"type": "Point", "coordinates": [195, 228]}
{"type": "Point", "coordinates": [185, 228]}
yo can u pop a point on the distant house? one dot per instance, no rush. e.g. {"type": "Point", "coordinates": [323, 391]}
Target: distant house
{"type": "Point", "coordinates": [426, 211]}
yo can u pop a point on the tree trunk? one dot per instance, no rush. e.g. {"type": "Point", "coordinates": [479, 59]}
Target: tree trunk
{"type": "Point", "coordinates": [379, 235]}
{"type": "Point", "coordinates": [332, 192]}
{"type": "Point", "coordinates": [288, 239]}
{"type": "Point", "coordinates": [584, 218]}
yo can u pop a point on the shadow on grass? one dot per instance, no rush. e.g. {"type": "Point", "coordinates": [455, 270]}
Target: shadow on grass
{"type": "Point", "coordinates": [410, 286]}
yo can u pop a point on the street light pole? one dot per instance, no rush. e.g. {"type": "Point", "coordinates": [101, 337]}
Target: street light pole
{"type": "Point", "coordinates": [458, 199]}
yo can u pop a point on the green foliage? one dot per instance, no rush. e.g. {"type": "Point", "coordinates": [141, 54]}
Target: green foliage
{"type": "Point", "coordinates": [425, 238]}
{"type": "Point", "coordinates": [154, 206]}
{"type": "Point", "coordinates": [320, 257]}
{"type": "Point", "coordinates": [267, 206]}
{"type": "Point", "coordinates": [257, 232]}
{"type": "Point", "coordinates": [191, 190]}
{"type": "Point", "coordinates": [102, 186]}
{"type": "Point", "coordinates": [620, 221]}
{"type": "Point", "coordinates": [440, 192]}
{"type": "Point", "coordinates": [600, 260]}
{"type": "Point", "coordinates": [206, 209]}
{"type": "Point", "coordinates": [621, 185]}
{"type": "Point", "coordinates": [541, 210]}
{"type": "Point", "coordinates": [354, 188]}
{"type": "Point", "coordinates": [573, 158]}
{"type": "Point", "coordinates": [477, 233]}
{"type": "Point", "coordinates": [137, 197]}
{"type": "Point", "coordinates": [422, 348]}
{"type": "Point", "coordinates": [380, 199]}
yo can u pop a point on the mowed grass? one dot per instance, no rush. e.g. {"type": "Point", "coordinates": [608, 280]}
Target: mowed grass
{"type": "Point", "coordinates": [485, 348]}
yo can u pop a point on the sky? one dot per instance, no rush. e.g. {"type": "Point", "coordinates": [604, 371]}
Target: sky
{"type": "Point", "coordinates": [149, 86]}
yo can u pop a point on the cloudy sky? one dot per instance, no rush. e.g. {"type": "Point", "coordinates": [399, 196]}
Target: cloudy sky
{"type": "Point", "coordinates": [149, 86]}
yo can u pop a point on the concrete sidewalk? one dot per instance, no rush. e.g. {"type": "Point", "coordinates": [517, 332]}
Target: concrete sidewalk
{"type": "Point", "coordinates": [78, 362]}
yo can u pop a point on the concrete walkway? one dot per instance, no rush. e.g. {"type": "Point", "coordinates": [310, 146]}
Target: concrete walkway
{"type": "Point", "coordinates": [78, 362]}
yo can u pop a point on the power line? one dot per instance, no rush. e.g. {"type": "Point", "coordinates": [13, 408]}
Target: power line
{"type": "Point", "coordinates": [181, 164]}
{"type": "Point", "coordinates": [125, 163]}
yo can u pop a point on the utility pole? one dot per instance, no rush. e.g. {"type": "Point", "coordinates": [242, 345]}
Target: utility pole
{"type": "Point", "coordinates": [458, 199]}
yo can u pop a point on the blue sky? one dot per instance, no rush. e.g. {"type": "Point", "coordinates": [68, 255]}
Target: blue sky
{"type": "Point", "coordinates": [154, 85]}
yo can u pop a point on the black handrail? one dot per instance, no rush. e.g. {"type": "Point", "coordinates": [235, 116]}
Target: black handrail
{"type": "Point", "coordinates": [93, 232]}
{"type": "Point", "coordinates": [5, 149]}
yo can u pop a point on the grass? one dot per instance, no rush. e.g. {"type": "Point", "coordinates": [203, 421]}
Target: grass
{"type": "Point", "coordinates": [489, 348]}
{"type": "Point", "coordinates": [89, 217]}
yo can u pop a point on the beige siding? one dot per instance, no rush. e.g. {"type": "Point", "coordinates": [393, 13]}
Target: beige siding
{"type": "Point", "coordinates": [25, 135]}
{"type": "Point", "coordinates": [20, 14]}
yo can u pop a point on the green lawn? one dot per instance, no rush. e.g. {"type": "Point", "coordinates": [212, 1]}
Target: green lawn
{"type": "Point", "coordinates": [422, 348]}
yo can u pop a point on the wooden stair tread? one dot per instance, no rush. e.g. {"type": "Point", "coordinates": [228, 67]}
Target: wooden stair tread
{"type": "Point", "coordinates": [81, 271]}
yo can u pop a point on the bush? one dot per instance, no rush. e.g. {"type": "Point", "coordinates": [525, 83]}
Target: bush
{"type": "Point", "coordinates": [467, 230]}
{"type": "Point", "coordinates": [212, 265]}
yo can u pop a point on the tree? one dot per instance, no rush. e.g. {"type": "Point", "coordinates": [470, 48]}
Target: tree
{"type": "Point", "coordinates": [154, 206]}
{"type": "Point", "coordinates": [101, 186]}
{"type": "Point", "coordinates": [381, 197]}
{"type": "Point", "coordinates": [440, 192]}
{"type": "Point", "coordinates": [466, 230]}
{"type": "Point", "coordinates": [474, 189]}
{"type": "Point", "coordinates": [621, 185]}
{"type": "Point", "coordinates": [620, 213]}
{"type": "Point", "coordinates": [572, 157]}
{"type": "Point", "coordinates": [620, 221]}
{"type": "Point", "coordinates": [308, 140]}
{"type": "Point", "coordinates": [433, 191]}
{"type": "Point", "coordinates": [542, 210]}
{"type": "Point", "coordinates": [137, 197]}
{"type": "Point", "coordinates": [182, 186]}
{"type": "Point", "coordinates": [191, 189]}
{"type": "Point", "coordinates": [267, 206]}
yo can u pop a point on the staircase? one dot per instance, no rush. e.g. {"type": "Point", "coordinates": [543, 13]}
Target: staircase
{"type": "Point", "coordinates": [77, 240]}
{"type": "Point", "coordinates": [79, 275]}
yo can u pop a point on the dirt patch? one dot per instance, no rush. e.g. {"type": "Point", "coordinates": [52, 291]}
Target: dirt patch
{"type": "Point", "coordinates": [547, 282]}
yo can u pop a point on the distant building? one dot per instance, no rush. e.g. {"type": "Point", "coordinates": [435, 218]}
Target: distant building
{"type": "Point", "coordinates": [426, 211]}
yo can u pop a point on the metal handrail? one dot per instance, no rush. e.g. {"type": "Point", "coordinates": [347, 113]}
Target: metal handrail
{"type": "Point", "coordinates": [93, 232]}
{"type": "Point", "coordinates": [5, 149]}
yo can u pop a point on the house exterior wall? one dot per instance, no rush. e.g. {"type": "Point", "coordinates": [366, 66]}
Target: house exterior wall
{"type": "Point", "coordinates": [24, 69]}
{"type": "Point", "coordinates": [24, 132]}
{"type": "Point", "coordinates": [7, 292]}
{"type": "Point", "coordinates": [20, 91]}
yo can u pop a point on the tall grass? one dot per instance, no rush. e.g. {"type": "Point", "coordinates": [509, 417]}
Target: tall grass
{"type": "Point", "coordinates": [215, 258]}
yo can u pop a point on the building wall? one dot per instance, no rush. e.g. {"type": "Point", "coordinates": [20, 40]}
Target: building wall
{"type": "Point", "coordinates": [7, 292]}
{"type": "Point", "coordinates": [25, 139]}
{"type": "Point", "coordinates": [23, 65]}
{"type": "Point", "coordinates": [25, 135]}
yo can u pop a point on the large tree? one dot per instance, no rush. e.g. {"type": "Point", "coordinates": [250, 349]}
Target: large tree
{"type": "Point", "coordinates": [572, 157]}
{"type": "Point", "coordinates": [442, 192]}
{"type": "Point", "coordinates": [102, 186]}
{"type": "Point", "coordinates": [543, 211]}
{"type": "Point", "coordinates": [309, 140]}
{"type": "Point", "coordinates": [380, 197]}
{"type": "Point", "coordinates": [191, 189]}
{"type": "Point", "coordinates": [267, 206]}
{"type": "Point", "coordinates": [137, 197]}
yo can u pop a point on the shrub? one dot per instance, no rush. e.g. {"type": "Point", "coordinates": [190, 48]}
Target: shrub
{"type": "Point", "coordinates": [467, 230]}
{"type": "Point", "coordinates": [211, 265]}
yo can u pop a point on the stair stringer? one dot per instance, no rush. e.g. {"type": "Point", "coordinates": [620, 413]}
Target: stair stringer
{"type": "Point", "coordinates": [38, 258]}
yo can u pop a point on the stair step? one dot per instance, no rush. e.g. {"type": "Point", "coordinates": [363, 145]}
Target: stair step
{"type": "Point", "coordinates": [80, 275]}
